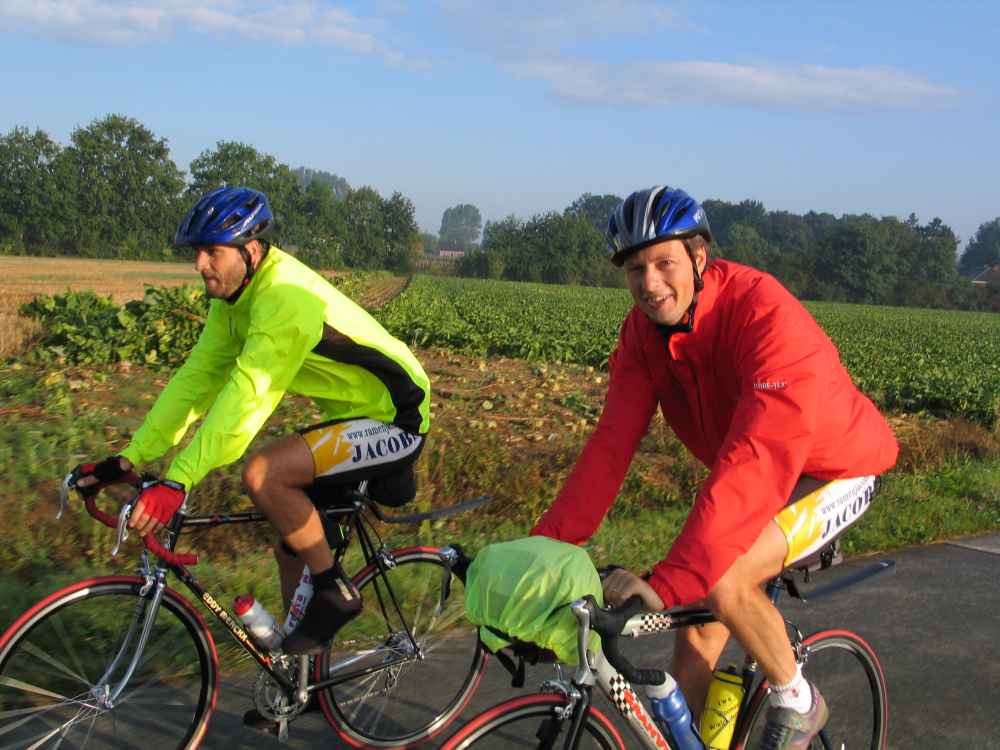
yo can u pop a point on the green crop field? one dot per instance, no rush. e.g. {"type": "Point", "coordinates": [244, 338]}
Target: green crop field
{"type": "Point", "coordinates": [906, 359]}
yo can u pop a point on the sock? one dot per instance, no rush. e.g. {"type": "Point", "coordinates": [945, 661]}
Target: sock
{"type": "Point", "coordinates": [795, 694]}
{"type": "Point", "coordinates": [335, 602]}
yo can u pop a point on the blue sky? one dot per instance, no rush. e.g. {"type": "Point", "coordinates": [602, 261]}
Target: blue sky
{"type": "Point", "coordinates": [520, 107]}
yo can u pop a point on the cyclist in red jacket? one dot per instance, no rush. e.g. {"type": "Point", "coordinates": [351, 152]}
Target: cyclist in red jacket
{"type": "Point", "coordinates": [756, 391]}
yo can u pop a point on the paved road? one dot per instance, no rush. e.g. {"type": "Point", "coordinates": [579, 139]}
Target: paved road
{"type": "Point", "coordinates": [935, 623]}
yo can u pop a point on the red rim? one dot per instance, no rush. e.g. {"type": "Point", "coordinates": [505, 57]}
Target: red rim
{"type": "Point", "coordinates": [332, 717]}
{"type": "Point", "coordinates": [761, 693]}
{"type": "Point", "coordinates": [520, 702]}
{"type": "Point", "coordinates": [87, 583]}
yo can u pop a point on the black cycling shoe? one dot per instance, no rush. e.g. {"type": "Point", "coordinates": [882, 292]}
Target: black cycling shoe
{"type": "Point", "coordinates": [335, 602]}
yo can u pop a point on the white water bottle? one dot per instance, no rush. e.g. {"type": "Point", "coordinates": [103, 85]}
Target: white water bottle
{"type": "Point", "coordinates": [258, 621]}
{"type": "Point", "coordinates": [301, 598]}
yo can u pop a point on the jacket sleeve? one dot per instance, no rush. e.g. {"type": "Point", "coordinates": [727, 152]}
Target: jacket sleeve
{"type": "Point", "coordinates": [187, 396]}
{"type": "Point", "coordinates": [286, 322]}
{"type": "Point", "coordinates": [780, 360]}
{"type": "Point", "coordinates": [599, 471]}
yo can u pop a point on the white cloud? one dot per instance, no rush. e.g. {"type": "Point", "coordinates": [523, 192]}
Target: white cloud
{"type": "Point", "coordinates": [290, 22]}
{"type": "Point", "coordinates": [669, 84]}
{"type": "Point", "coordinates": [518, 27]}
{"type": "Point", "coordinates": [535, 40]}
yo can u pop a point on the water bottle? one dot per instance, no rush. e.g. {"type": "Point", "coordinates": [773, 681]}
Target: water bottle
{"type": "Point", "coordinates": [718, 720]}
{"type": "Point", "coordinates": [300, 599]}
{"type": "Point", "coordinates": [258, 621]}
{"type": "Point", "coordinates": [673, 715]}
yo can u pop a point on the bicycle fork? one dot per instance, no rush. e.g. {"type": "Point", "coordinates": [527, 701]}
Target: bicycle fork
{"type": "Point", "coordinates": [146, 608]}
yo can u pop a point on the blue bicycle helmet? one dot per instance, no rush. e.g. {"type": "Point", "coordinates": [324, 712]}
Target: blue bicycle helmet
{"type": "Point", "coordinates": [648, 216]}
{"type": "Point", "coordinates": [226, 216]}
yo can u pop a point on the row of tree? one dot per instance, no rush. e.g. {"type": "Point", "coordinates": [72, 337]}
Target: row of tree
{"type": "Point", "coordinates": [114, 192]}
{"type": "Point", "coordinates": [854, 258]}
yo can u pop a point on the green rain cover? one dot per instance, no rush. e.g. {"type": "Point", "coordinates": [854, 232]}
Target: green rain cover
{"type": "Point", "coordinates": [524, 588]}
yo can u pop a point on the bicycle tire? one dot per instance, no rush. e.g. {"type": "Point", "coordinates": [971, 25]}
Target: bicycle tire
{"type": "Point", "coordinates": [53, 657]}
{"type": "Point", "coordinates": [414, 699]}
{"type": "Point", "coordinates": [848, 673]}
{"type": "Point", "coordinates": [531, 721]}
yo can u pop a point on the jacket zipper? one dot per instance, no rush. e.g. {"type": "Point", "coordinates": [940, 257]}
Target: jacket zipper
{"type": "Point", "coordinates": [697, 386]}
{"type": "Point", "coordinates": [697, 390]}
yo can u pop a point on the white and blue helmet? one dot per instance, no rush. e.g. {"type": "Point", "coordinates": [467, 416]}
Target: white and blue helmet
{"type": "Point", "coordinates": [648, 216]}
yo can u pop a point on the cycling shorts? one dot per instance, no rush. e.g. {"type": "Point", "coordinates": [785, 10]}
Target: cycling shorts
{"type": "Point", "coordinates": [820, 511]}
{"type": "Point", "coordinates": [346, 452]}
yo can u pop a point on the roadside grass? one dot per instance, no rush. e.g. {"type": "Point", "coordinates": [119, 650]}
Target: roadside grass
{"type": "Point", "coordinates": [947, 483]}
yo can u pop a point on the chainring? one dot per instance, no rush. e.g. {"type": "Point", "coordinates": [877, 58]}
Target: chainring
{"type": "Point", "coordinates": [273, 701]}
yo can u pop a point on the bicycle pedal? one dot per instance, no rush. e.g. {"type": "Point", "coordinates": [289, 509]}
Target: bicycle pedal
{"type": "Point", "coordinates": [283, 731]}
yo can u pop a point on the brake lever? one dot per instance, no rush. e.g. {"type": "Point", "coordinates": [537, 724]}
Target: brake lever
{"type": "Point", "coordinates": [64, 489]}
{"type": "Point", "coordinates": [122, 533]}
{"type": "Point", "coordinates": [448, 557]}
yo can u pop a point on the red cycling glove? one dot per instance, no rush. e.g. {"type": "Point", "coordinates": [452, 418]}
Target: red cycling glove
{"type": "Point", "coordinates": [161, 499]}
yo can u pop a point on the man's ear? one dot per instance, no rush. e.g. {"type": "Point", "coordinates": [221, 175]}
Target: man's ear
{"type": "Point", "coordinates": [701, 257]}
{"type": "Point", "coordinates": [256, 251]}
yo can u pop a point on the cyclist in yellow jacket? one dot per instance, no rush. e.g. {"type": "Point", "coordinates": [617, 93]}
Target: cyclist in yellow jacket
{"type": "Point", "coordinates": [275, 327]}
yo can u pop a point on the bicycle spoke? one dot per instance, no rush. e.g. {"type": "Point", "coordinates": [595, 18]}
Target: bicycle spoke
{"type": "Point", "coordinates": [59, 666]}
{"type": "Point", "coordinates": [49, 702]}
{"type": "Point", "coordinates": [68, 645]}
{"type": "Point", "coordinates": [847, 672]}
{"type": "Point", "coordinates": [44, 736]}
{"type": "Point", "coordinates": [391, 706]}
{"type": "Point", "coordinates": [25, 687]}
{"type": "Point", "coordinates": [30, 714]}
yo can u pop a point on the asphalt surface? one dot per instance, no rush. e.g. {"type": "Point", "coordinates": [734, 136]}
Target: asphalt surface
{"type": "Point", "coordinates": [935, 623]}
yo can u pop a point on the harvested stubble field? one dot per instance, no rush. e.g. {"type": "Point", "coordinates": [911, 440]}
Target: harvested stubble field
{"type": "Point", "coordinates": [25, 278]}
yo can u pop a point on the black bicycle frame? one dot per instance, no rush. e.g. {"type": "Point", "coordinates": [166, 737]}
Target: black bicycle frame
{"type": "Point", "coordinates": [369, 551]}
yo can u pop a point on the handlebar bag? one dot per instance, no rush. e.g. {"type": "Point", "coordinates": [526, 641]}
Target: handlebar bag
{"type": "Point", "coordinates": [523, 588]}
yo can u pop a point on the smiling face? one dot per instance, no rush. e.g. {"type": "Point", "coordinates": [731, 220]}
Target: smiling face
{"type": "Point", "coordinates": [221, 268]}
{"type": "Point", "coordinates": [661, 280]}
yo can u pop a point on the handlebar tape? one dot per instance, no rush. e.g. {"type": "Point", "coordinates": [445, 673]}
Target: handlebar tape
{"type": "Point", "coordinates": [609, 623]}
{"type": "Point", "coordinates": [151, 542]}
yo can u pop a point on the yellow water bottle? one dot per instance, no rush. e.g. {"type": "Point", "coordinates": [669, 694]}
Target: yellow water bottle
{"type": "Point", "coordinates": [718, 720]}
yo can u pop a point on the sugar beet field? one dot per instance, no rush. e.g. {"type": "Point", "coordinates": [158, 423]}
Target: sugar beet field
{"type": "Point", "coordinates": [906, 359]}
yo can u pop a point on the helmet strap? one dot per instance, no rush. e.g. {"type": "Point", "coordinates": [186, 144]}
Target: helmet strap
{"type": "Point", "coordinates": [699, 283]}
{"type": "Point", "coordinates": [685, 326]}
{"type": "Point", "coordinates": [248, 274]}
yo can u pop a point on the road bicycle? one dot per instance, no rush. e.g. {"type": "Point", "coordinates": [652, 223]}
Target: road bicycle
{"type": "Point", "coordinates": [845, 668]}
{"type": "Point", "coordinates": [126, 661]}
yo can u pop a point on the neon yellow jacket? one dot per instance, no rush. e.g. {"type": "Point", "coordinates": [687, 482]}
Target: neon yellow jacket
{"type": "Point", "coordinates": [289, 331]}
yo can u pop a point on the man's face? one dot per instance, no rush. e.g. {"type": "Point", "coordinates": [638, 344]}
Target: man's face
{"type": "Point", "coordinates": [661, 280]}
{"type": "Point", "coordinates": [221, 268]}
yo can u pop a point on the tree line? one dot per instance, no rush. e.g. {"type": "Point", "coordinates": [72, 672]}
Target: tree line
{"type": "Point", "coordinates": [853, 258]}
{"type": "Point", "coordinates": [115, 192]}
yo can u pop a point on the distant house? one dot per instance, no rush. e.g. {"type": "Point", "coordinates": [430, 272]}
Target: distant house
{"type": "Point", "coordinates": [989, 278]}
{"type": "Point", "coordinates": [451, 253]}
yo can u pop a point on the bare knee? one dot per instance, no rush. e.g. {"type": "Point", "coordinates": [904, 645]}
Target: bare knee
{"type": "Point", "coordinates": [698, 646]}
{"type": "Point", "coordinates": [731, 595]}
{"type": "Point", "coordinates": [256, 475]}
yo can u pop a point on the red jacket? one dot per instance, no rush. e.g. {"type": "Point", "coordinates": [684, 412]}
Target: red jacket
{"type": "Point", "coordinates": [756, 392]}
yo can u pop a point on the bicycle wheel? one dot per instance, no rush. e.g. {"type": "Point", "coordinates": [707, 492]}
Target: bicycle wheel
{"type": "Point", "coordinates": [849, 675]}
{"type": "Point", "coordinates": [531, 721]}
{"type": "Point", "coordinates": [62, 661]}
{"type": "Point", "coordinates": [397, 691]}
